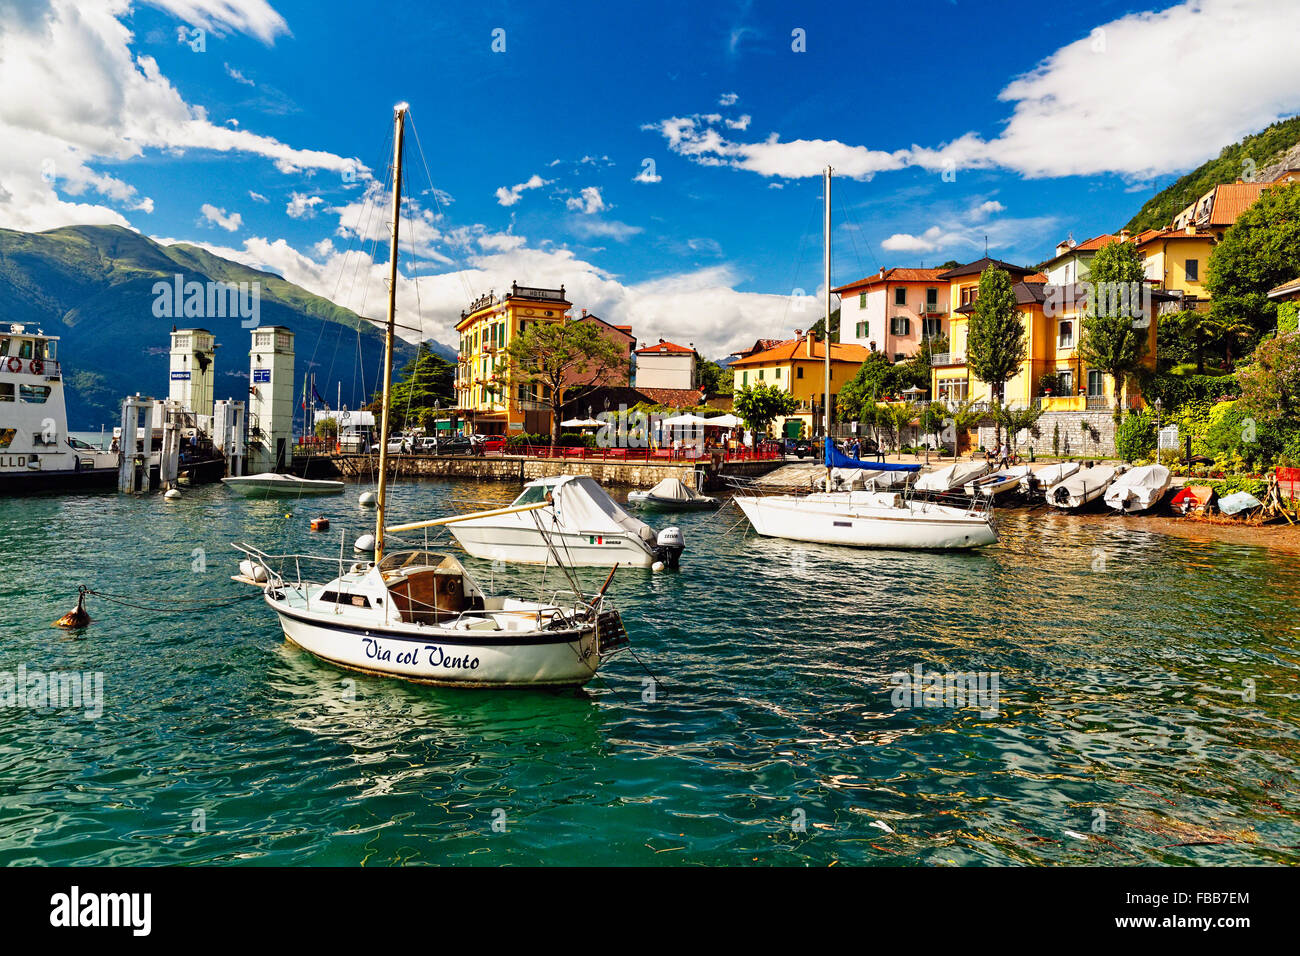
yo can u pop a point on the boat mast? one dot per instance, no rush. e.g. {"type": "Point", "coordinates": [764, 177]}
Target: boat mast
{"type": "Point", "coordinates": [399, 125]}
{"type": "Point", "coordinates": [826, 330]}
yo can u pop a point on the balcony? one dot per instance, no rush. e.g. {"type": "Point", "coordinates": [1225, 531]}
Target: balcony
{"type": "Point", "coordinates": [947, 359]}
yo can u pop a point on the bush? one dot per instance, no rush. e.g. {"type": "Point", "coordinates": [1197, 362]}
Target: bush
{"type": "Point", "coordinates": [1135, 436]}
{"type": "Point", "coordinates": [1175, 391]}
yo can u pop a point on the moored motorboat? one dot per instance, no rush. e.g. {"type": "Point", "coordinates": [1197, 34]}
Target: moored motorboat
{"type": "Point", "coordinates": [1138, 490]}
{"type": "Point", "coordinates": [1081, 488]}
{"type": "Point", "coordinates": [952, 477]}
{"type": "Point", "coordinates": [574, 518]}
{"type": "Point", "coordinates": [671, 494]}
{"type": "Point", "coordinates": [269, 484]}
{"type": "Point", "coordinates": [998, 482]}
{"type": "Point", "coordinates": [869, 519]}
{"type": "Point", "coordinates": [1044, 478]}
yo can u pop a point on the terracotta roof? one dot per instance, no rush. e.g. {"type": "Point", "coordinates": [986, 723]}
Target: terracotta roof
{"type": "Point", "coordinates": [893, 275]}
{"type": "Point", "coordinates": [1036, 277]}
{"type": "Point", "coordinates": [1088, 245]}
{"type": "Point", "coordinates": [674, 396]}
{"type": "Point", "coordinates": [664, 346]}
{"type": "Point", "coordinates": [979, 265]}
{"type": "Point", "coordinates": [1152, 235]}
{"type": "Point", "coordinates": [1286, 288]}
{"type": "Point", "coordinates": [761, 345]}
{"type": "Point", "coordinates": [797, 349]}
{"type": "Point", "coordinates": [1232, 199]}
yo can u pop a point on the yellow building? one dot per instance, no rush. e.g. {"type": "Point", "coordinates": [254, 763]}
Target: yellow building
{"type": "Point", "coordinates": [1176, 260]}
{"type": "Point", "coordinates": [488, 396]}
{"type": "Point", "coordinates": [798, 366]}
{"type": "Point", "coordinates": [1052, 317]}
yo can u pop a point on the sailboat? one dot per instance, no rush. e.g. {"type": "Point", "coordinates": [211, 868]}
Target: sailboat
{"type": "Point", "coordinates": [418, 614]}
{"type": "Point", "coordinates": [864, 519]}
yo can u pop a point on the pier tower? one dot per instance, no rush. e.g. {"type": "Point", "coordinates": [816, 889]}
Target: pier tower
{"type": "Point", "coordinates": [192, 371]}
{"type": "Point", "coordinates": [270, 399]}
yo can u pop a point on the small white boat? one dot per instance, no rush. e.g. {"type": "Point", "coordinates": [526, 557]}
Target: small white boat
{"type": "Point", "coordinates": [577, 521]}
{"type": "Point", "coordinates": [272, 485]}
{"type": "Point", "coordinates": [418, 615]}
{"type": "Point", "coordinates": [998, 482]}
{"type": "Point", "coordinates": [1044, 478]}
{"type": "Point", "coordinates": [868, 519]}
{"type": "Point", "coordinates": [671, 494]}
{"type": "Point", "coordinates": [1081, 488]}
{"type": "Point", "coordinates": [951, 477]}
{"type": "Point", "coordinates": [1138, 490]}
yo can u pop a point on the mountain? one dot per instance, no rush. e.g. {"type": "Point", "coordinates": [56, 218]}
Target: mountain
{"type": "Point", "coordinates": [94, 287]}
{"type": "Point", "coordinates": [1264, 151]}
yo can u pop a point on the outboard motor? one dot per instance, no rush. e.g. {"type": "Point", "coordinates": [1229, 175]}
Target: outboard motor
{"type": "Point", "coordinates": [669, 547]}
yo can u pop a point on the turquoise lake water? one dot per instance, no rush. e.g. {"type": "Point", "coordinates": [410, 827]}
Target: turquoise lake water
{"type": "Point", "coordinates": [1148, 711]}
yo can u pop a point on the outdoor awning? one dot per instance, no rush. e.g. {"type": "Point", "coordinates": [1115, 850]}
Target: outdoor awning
{"type": "Point", "coordinates": [686, 419]}
{"type": "Point", "coordinates": [581, 423]}
{"type": "Point", "coordinates": [724, 421]}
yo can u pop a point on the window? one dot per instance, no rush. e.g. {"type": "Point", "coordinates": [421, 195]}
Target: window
{"type": "Point", "coordinates": [900, 325]}
{"type": "Point", "coordinates": [744, 377]}
{"type": "Point", "coordinates": [932, 328]}
{"type": "Point", "coordinates": [864, 329]}
{"type": "Point", "coordinates": [34, 394]}
{"type": "Point", "coordinates": [932, 300]}
{"type": "Point", "coordinates": [1066, 338]}
{"type": "Point", "coordinates": [4, 346]}
{"type": "Point", "coordinates": [778, 373]}
{"type": "Point", "coordinates": [862, 300]}
{"type": "Point", "coordinates": [1065, 381]}
{"type": "Point", "coordinates": [798, 373]}
{"type": "Point", "coordinates": [1096, 383]}
{"type": "Point", "coordinates": [25, 349]}
{"type": "Point", "coordinates": [38, 438]}
{"type": "Point", "coordinates": [1193, 270]}
{"type": "Point", "coordinates": [760, 374]}
{"type": "Point", "coordinates": [969, 294]}
{"type": "Point", "coordinates": [900, 296]}
{"type": "Point", "coordinates": [6, 391]}
{"type": "Point", "coordinates": [899, 356]}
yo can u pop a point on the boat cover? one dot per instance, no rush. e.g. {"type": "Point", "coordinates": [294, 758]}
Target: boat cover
{"type": "Point", "coordinates": [583, 506]}
{"type": "Point", "coordinates": [952, 476]}
{"type": "Point", "coordinates": [1130, 484]}
{"type": "Point", "coordinates": [672, 489]}
{"type": "Point", "coordinates": [1241, 501]}
{"type": "Point", "coordinates": [834, 458]}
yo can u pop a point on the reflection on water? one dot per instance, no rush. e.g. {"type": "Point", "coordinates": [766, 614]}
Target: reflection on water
{"type": "Point", "coordinates": [1148, 704]}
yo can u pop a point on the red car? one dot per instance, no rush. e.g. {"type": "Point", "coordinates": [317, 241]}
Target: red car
{"type": "Point", "coordinates": [492, 444]}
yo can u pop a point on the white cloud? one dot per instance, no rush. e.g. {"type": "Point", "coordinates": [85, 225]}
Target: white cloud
{"type": "Point", "coordinates": [728, 99]}
{"type": "Point", "coordinates": [509, 195]}
{"type": "Point", "coordinates": [739, 124]}
{"type": "Point", "coordinates": [956, 235]}
{"type": "Point", "coordinates": [605, 229]}
{"type": "Point", "coordinates": [989, 207]}
{"type": "Point", "coordinates": [647, 174]}
{"type": "Point", "coordinates": [257, 197]}
{"type": "Point", "coordinates": [302, 206]}
{"type": "Point", "coordinates": [588, 201]}
{"type": "Point", "coordinates": [74, 94]}
{"type": "Point", "coordinates": [218, 217]}
{"type": "Point", "coordinates": [1088, 107]}
{"type": "Point", "coordinates": [237, 76]}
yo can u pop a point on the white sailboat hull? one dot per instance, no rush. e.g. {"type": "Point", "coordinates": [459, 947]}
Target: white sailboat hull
{"type": "Point", "coordinates": [518, 544]}
{"type": "Point", "coordinates": [270, 484]}
{"type": "Point", "coordinates": [564, 658]}
{"type": "Point", "coordinates": [915, 525]}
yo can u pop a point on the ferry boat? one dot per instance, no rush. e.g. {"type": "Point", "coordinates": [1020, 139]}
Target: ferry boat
{"type": "Point", "coordinates": [36, 451]}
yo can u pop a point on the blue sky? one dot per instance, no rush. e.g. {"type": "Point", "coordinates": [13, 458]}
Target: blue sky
{"type": "Point", "coordinates": [948, 122]}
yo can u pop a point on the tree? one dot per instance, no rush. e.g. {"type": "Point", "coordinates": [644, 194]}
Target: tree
{"type": "Point", "coordinates": [716, 380]}
{"type": "Point", "coordinates": [425, 383]}
{"type": "Point", "coordinates": [1016, 420]}
{"type": "Point", "coordinates": [995, 343]}
{"type": "Point", "coordinates": [1270, 385]}
{"type": "Point", "coordinates": [760, 405]}
{"type": "Point", "coordinates": [561, 357]}
{"type": "Point", "coordinates": [1257, 253]}
{"type": "Point", "coordinates": [816, 330]}
{"type": "Point", "coordinates": [327, 428]}
{"type": "Point", "coordinates": [1115, 326]}
{"type": "Point", "coordinates": [875, 379]}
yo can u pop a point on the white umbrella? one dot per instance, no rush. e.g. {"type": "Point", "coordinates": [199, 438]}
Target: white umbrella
{"type": "Point", "coordinates": [686, 419]}
{"type": "Point", "coordinates": [581, 423]}
{"type": "Point", "coordinates": [723, 421]}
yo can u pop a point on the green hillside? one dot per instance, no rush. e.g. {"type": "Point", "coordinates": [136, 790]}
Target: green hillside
{"type": "Point", "coordinates": [1262, 148]}
{"type": "Point", "coordinates": [93, 287]}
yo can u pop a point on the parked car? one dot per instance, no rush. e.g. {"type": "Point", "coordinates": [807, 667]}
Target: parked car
{"type": "Point", "coordinates": [493, 444]}
{"type": "Point", "coordinates": [457, 445]}
{"type": "Point", "coordinates": [803, 447]}
{"type": "Point", "coordinates": [397, 445]}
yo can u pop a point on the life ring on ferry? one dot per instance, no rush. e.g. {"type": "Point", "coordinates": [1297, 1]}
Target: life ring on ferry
{"type": "Point", "coordinates": [14, 364]}
{"type": "Point", "coordinates": [38, 367]}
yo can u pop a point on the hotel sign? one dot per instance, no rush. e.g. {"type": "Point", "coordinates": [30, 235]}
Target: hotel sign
{"type": "Point", "coordinates": [180, 376]}
{"type": "Point", "coordinates": [544, 294]}
{"type": "Point", "coordinates": [261, 375]}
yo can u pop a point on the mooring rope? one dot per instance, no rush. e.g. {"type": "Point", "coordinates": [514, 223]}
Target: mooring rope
{"type": "Point", "coordinates": [173, 608]}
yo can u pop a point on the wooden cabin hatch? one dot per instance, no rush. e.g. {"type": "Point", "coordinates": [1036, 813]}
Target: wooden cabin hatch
{"type": "Point", "coordinates": [431, 595]}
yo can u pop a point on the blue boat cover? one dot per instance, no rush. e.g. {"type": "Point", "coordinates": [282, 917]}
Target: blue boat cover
{"type": "Point", "coordinates": [834, 458]}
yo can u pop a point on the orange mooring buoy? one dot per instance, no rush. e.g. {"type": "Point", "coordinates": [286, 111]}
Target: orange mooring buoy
{"type": "Point", "coordinates": [320, 524]}
{"type": "Point", "coordinates": [77, 617]}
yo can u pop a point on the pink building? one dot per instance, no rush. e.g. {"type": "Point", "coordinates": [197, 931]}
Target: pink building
{"type": "Point", "coordinates": [893, 310]}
